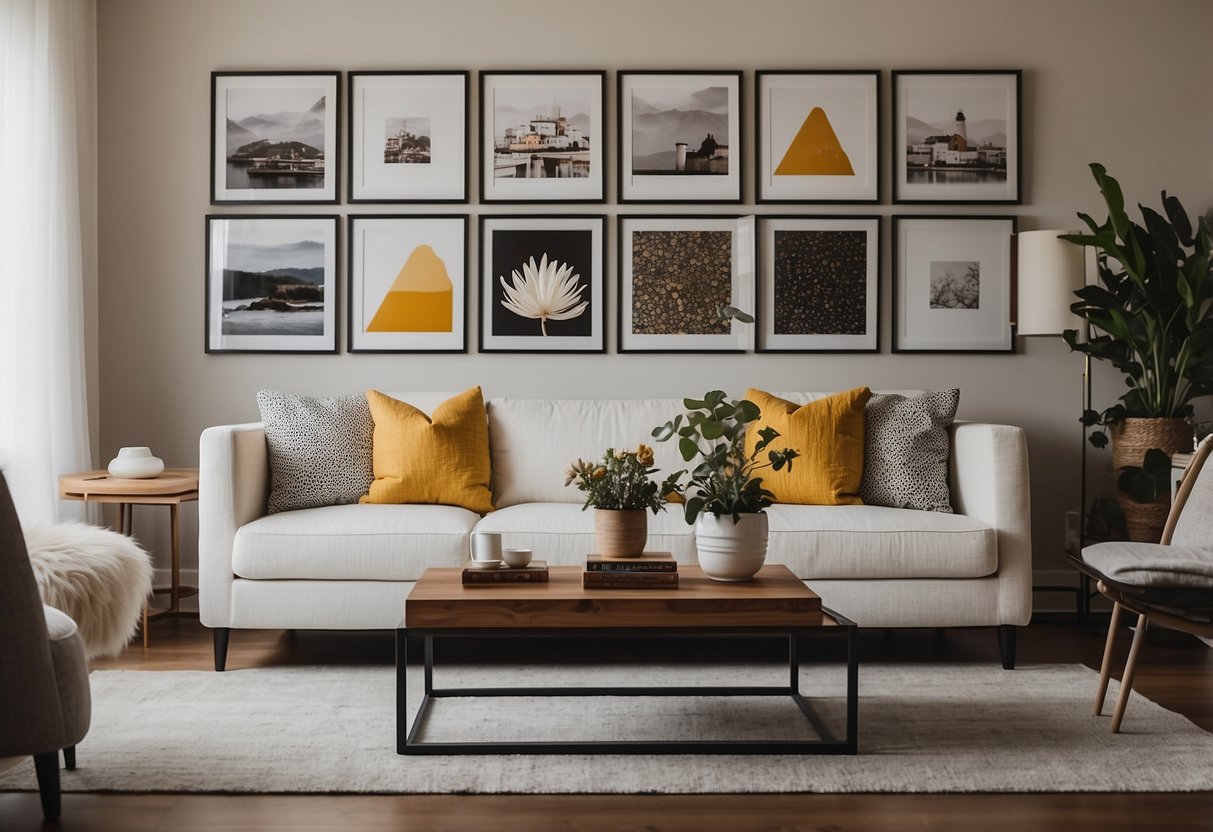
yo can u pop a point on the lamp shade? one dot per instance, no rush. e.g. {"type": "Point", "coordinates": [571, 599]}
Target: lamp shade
{"type": "Point", "coordinates": [1050, 272]}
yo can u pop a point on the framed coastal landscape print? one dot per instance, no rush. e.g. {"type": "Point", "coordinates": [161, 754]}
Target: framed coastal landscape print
{"type": "Point", "coordinates": [679, 136]}
{"type": "Point", "coordinates": [818, 284]}
{"type": "Point", "coordinates": [408, 136]}
{"type": "Point", "coordinates": [957, 136]}
{"type": "Point", "coordinates": [675, 276]}
{"type": "Point", "coordinates": [818, 136]}
{"type": "Point", "coordinates": [541, 136]}
{"type": "Point", "coordinates": [407, 284]}
{"type": "Point", "coordinates": [952, 284]}
{"type": "Point", "coordinates": [271, 283]}
{"type": "Point", "coordinates": [542, 286]}
{"type": "Point", "coordinates": [274, 137]}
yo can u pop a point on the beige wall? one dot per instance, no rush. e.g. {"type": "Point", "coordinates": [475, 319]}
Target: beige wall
{"type": "Point", "coordinates": [1116, 81]}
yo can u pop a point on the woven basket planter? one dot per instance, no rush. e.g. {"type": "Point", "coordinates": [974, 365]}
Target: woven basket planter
{"type": "Point", "coordinates": [1131, 438]}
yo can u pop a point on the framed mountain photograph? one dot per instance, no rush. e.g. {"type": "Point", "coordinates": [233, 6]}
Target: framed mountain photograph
{"type": "Point", "coordinates": [271, 284]}
{"type": "Point", "coordinates": [956, 136]}
{"type": "Point", "coordinates": [818, 135]}
{"type": "Point", "coordinates": [274, 137]}
{"type": "Point", "coordinates": [408, 136]}
{"type": "Point", "coordinates": [679, 136]}
{"type": "Point", "coordinates": [542, 285]}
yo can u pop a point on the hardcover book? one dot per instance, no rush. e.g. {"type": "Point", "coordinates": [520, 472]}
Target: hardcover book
{"type": "Point", "coordinates": [536, 572]}
{"type": "Point", "coordinates": [648, 562]}
{"type": "Point", "coordinates": [629, 580]}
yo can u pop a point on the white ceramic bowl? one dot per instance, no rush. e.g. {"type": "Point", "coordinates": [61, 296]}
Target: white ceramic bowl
{"type": "Point", "coordinates": [516, 558]}
{"type": "Point", "coordinates": [495, 563]}
{"type": "Point", "coordinates": [136, 463]}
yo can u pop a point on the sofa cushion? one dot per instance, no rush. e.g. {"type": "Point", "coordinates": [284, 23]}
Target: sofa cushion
{"type": "Point", "coordinates": [561, 533]}
{"type": "Point", "coordinates": [1153, 564]}
{"type": "Point", "coordinates": [906, 450]}
{"type": "Point", "coordinates": [874, 542]}
{"type": "Point", "coordinates": [353, 542]}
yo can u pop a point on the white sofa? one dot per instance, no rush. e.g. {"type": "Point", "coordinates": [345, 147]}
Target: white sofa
{"type": "Point", "coordinates": [351, 566]}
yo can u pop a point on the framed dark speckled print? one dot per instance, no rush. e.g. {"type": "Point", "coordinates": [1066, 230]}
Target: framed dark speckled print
{"type": "Point", "coordinates": [818, 284]}
{"type": "Point", "coordinates": [677, 275]}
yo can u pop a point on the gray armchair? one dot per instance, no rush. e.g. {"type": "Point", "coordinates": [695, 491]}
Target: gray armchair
{"type": "Point", "coordinates": [44, 694]}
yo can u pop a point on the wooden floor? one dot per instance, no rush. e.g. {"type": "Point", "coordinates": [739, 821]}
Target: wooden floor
{"type": "Point", "coordinates": [1177, 675]}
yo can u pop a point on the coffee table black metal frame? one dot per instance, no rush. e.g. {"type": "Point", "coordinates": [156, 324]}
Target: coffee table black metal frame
{"type": "Point", "coordinates": [408, 734]}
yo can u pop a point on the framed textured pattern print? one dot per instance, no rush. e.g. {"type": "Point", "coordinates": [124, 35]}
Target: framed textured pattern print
{"type": "Point", "coordinates": [677, 275]}
{"type": "Point", "coordinates": [818, 284]}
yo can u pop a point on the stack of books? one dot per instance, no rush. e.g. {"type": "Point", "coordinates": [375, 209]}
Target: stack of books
{"type": "Point", "coordinates": [652, 570]}
{"type": "Point", "coordinates": [535, 572]}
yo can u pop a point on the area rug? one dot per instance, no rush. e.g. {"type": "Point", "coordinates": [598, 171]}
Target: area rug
{"type": "Point", "coordinates": [922, 728]}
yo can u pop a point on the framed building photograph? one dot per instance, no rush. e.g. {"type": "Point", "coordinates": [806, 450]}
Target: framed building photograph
{"type": "Point", "coordinates": [818, 136]}
{"type": "Point", "coordinates": [541, 136]}
{"type": "Point", "coordinates": [679, 136]}
{"type": "Point", "coordinates": [407, 284]}
{"type": "Point", "coordinates": [543, 284]}
{"type": "Point", "coordinates": [952, 284]}
{"type": "Point", "coordinates": [274, 137]}
{"type": "Point", "coordinates": [956, 136]}
{"type": "Point", "coordinates": [271, 283]}
{"type": "Point", "coordinates": [676, 276]}
{"type": "Point", "coordinates": [818, 284]}
{"type": "Point", "coordinates": [408, 136]}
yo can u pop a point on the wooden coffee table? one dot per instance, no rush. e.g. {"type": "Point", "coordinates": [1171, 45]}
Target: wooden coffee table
{"type": "Point", "coordinates": [775, 603]}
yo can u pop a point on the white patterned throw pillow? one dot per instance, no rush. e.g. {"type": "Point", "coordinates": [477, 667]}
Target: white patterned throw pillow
{"type": "Point", "coordinates": [319, 448]}
{"type": "Point", "coordinates": [906, 447]}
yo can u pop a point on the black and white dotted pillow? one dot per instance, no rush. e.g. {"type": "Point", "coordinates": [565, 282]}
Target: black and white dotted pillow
{"type": "Point", "coordinates": [319, 448]}
{"type": "Point", "coordinates": [906, 446]}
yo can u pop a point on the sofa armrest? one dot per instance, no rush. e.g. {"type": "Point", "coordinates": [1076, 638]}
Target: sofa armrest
{"type": "Point", "coordinates": [233, 484]}
{"type": "Point", "coordinates": [989, 481]}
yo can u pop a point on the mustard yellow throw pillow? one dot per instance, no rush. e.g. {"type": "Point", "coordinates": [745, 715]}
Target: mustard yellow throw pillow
{"type": "Point", "coordinates": [828, 433]}
{"type": "Point", "coordinates": [441, 459]}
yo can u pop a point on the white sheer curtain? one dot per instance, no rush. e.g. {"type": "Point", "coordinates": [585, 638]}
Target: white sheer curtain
{"type": "Point", "coordinates": [47, 96]}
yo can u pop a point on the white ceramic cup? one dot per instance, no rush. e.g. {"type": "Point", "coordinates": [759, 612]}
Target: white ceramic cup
{"type": "Point", "coordinates": [486, 546]}
{"type": "Point", "coordinates": [517, 558]}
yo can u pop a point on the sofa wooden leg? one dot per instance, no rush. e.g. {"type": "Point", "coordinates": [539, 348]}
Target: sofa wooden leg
{"type": "Point", "coordinates": [69, 758]}
{"type": "Point", "coordinates": [221, 635]}
{"type": "Point", "coordinates": [46, 766]}
{"type": "Point", "coordinates": [1006, 645]}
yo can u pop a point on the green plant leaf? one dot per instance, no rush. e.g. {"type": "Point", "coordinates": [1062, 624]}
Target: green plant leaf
{"type": "Point", "coordinates": [711, 429]}
{"type": "Point", "coordinates": [688, 448]}
{"type": "Point", "coordinates": [747, 411]}
{"type": "Point", "coordinates": [663, 432]}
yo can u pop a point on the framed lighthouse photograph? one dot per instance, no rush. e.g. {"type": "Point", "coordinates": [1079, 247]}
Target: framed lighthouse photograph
{"type": "Point", "coordinates": [957, 136]}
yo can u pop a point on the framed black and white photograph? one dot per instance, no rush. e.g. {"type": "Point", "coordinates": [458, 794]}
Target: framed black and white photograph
{"type": "Point", "coordinates": [677, 277]}
{"type": "Point", "coordinates": [543, 285]}
{"type": "Point", "coordinates": [952, 284]}
{"type": "Point", "coordinates": [407, 284]}
{"type": "Point", "coordinates": [680, 136]}
{"type": "Point", "coordinates": [956, 136]}
{"type": "Point", "coordinates": [542, 136]}
{"type": "Point", "coordinates": [818, 284]}
{"type": "Point", "coordinates": [818, 136]}
{"type": "Point", "coordinates": [271, 284]}
{"type": "Point", "coordinates": [408, 136]}
{"type": "Point", "coordinates": [274, 137]}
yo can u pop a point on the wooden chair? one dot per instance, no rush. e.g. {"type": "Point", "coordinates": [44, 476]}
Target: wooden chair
{"type": "Point", "coordinates": [1169, 583]}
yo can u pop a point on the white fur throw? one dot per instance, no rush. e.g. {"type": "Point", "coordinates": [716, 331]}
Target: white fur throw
{"type": "Point", "coordinates": [97, 576]}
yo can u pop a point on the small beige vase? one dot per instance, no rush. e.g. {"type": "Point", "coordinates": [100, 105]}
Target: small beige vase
{"type": "Point", "coordinates": [620, 533]}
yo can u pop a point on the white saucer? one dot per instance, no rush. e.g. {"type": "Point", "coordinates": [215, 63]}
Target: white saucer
{"type": "Point", "coordinates": [486, 564]}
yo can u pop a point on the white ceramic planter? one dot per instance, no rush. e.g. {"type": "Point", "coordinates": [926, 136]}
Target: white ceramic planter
{"type": "Point", "coordinates": [136, 464]}
{"type": "Point", "coordinates": [731, 551]}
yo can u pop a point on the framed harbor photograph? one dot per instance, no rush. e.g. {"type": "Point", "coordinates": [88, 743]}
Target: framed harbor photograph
{"type": "Point", "coordinates": [408, 136]}
{"type": "Point", "coordinates": [952, 284]}
{"type": "Point", "coordinates": [271, 283]}
{"type": "Point", "coordinates": [818, 135]}
{"type": "Point", "coordinates": [818, 284]}
{"type": "Point", "coordinates": [542, 285]}
{"type": "Point", "coordinates": [677, 275]}
{"type": "Point", "coordinates": [274, 137]}
{"type": "Point", "coordinates": [542, 136]}
{"type": "Point", "coordinates": [407, 283]}
{"type": "Point", "coordinates": [679, 136]}
{"type": "Point", "coordinates": [957, 136]}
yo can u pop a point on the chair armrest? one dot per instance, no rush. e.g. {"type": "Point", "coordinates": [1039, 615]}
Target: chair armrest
{"type": "Point", "coordinates": [989, 481]}
{"type": "Point", "coordinates": [233, 484]}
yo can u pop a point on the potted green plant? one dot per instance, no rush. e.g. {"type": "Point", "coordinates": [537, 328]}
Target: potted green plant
{"type": "Point", "coordinates": [620, 488]}
{"type": "Point", "coordinates": [1151, 316]}
{"type": "Point", "coordinates": [725, 498]}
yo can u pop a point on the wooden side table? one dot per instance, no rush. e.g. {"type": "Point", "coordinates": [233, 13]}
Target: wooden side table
{"type": "Point", "coordinates": [172, 488]}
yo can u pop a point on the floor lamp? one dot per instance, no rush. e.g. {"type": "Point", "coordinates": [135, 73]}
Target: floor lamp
{"type": "Point", "coordinates": [1049, 271]}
